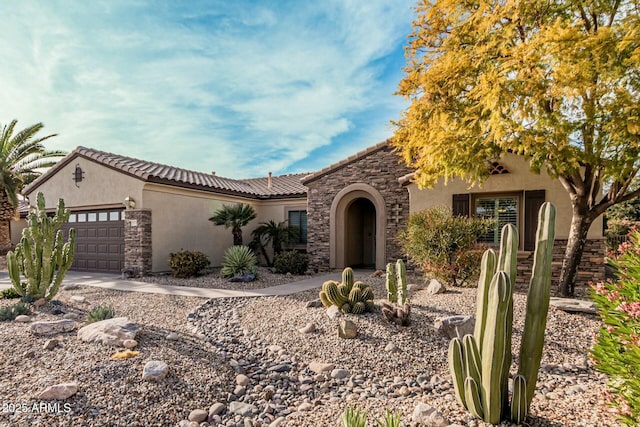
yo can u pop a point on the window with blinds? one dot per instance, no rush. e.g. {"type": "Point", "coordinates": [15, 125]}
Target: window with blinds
{"type": "Point", "coordinates": [298, 219]}
{"type": "Point", "coordinates": [503, 210]}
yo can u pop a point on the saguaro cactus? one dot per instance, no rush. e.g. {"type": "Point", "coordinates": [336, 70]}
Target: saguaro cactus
{"type": "Point", "coordinates": [397, 310]}
{"type": "Point", "coordinates": [480, 363]}
{"type": "Point", "coordinates": [41, 256]}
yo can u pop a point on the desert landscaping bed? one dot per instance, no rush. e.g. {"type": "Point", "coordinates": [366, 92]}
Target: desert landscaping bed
{"type": "Point", "coordinates": [256, 342]}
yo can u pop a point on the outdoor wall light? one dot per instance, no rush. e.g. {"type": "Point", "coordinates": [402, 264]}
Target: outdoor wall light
{"type": "Point", "coordinates": [78, 175]}
{"type": "Point", "coordinates": [129, 203]}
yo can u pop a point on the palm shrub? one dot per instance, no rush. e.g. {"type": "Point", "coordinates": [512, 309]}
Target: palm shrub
{"type": "Point", "coordinates": [445, 246]}
{"type": "Point", "coordinates": [41, 256]}
{"type": "Point", "coordinates": [187, 263]}
{"type": "Point", "coordinates": [293, 262]}
{"type": "Point", "coordinates": [234, 217]}
{"type": "Point", "coordinates": [238, 261]}
{"type": "Point", "coordinates": [276, 234]}
{"type": "Point", "coordinates": [100, 313]}
{"type": "Point", "coordinates": [617, 350]}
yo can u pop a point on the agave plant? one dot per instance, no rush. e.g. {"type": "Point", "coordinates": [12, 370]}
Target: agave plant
{"type": "Point", "coordinates": [238, 261]}
{"type": "Point", "coordinates": [100, 313]}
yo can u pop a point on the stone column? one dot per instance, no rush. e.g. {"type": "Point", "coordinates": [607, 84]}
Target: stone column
{"type": "Point", "coordinates": [137, 242]}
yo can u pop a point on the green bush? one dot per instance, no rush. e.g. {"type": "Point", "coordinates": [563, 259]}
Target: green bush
{"type": "Point", "coordinates": [617, 351]}
{"type": "Point", "coordinates": [293, 262]}
{"type": "Point", "coordinates": [445, 246]}
{"type": "Point", "coordinates": [238, 261]}
{"type": "Point", "coordinates": [100, 313]}
{"type": "Point", "coordinates": [187, 263]}
{"type": "Point", "coordinates": [9, 294]}
{"type": "Point", "coordinates": [11, 312]}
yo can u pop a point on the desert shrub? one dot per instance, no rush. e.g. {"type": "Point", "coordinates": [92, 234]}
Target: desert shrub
{"type": "Point", "coordinates": [187, 263]}
{"type": "Point", "coordinates": [11, 312]}
{"type": "Point", "coordinates": [238, 261]}
{"type": "Point", "coordinates": [9, 294]}
{"type": "Point", "coordinates": [445, 246]}
{"type": "Point", "coordinates": [100, 313]}
{"type": "Point", "coordinates": [617, 351]}
{"type": "Point", "coordinates": [293, 262]}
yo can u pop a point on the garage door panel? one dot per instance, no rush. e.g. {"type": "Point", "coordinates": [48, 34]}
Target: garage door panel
{"type": "Point", "coordinates": [99, 244]}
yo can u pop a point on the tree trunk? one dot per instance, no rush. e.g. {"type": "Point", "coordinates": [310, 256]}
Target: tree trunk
{"type": "Point", "coordinates": [7, 213]}
{"type": "Point", "coordinates": [580, 224]}
{"type": "Point", "coordinates": [237, 236]}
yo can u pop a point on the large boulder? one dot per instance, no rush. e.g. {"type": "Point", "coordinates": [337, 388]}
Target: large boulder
{"type": "Point", "coordinates": [53, 327]}
{"type": "Point", "coordinates": [435, 287]}
{"type": "Point", "coordinates": [454, 326]}
{"type": "Point", "coordinates": [347, 329]}
{"type": "Point", "coordinates": [110, 331]}
{"type": "Point", "coordinates": [428, 416]}
{"type": "Point", "coordinates": [573, 305]}
{"type": "Point", "coordinates": [58, 392]}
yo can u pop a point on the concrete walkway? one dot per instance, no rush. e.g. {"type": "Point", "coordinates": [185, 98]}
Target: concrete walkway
{"type": "Point", "coordinates": [110, 281]}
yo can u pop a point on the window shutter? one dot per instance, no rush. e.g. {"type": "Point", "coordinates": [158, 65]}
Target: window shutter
{"type": "Point", "coordinates": [461, 205]}
{"type": "Point", "coordinates": [533, 200]}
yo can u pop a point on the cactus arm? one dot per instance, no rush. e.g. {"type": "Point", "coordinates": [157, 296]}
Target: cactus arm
{"type": "Point", "coordinates": [324, 299]}
{"type": "Point", "coordinates": [538, 299]}
{"type": "Point", "coordinates": [472, 359]}
{"type": "Point", "coordinates": [401, 279]}
{"type": "Point", "coordinates": [457, 369]}
{"type": "Point", "coordinates": [519, 404]}
{"type": "Point", "coordinates": [473, 397]}
{"type": "Point", "coordinates": [347, 279]}
{"type": "Point", "coordinates": [494, 347]}
{"type": "Point", "coordinates": [14, 273]}
{"type": "Point", "coordinates": [487, 270]}
{"type": "Point", "coordinates": [390, 284]}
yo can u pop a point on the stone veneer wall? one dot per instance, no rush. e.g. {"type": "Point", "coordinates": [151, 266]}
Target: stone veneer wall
{"type": "Point", "coordinates": [381, 170]}
{"type": "Point", "coordinates": [137, 241]}
{"type": "Point", "coordinates": [591, 266]}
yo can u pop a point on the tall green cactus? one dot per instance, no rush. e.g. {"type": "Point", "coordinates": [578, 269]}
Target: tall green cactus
{"type": "Point", "coordinates": [401, 279]}
{"type": "Point", "coordinates": [41, 256]}
{"type": "Point", "coordinates": [349, 296]}
{"type": "Point", "coordinates": [390, 284]}
{"type": "Point", "coordinates": [480, 363]}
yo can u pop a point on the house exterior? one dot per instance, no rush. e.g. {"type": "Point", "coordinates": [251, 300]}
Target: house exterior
{"type": "Point", "coordinates": [130, 214]}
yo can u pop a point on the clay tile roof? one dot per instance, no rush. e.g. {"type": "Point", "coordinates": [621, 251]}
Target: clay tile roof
{"type": "Point", "coordinates": [342, 163]}
{"type": "Point", "coordinates": [282, 186]}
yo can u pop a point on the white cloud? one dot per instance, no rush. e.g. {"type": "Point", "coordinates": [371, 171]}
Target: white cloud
{"type": "Point", "coordinates": [198, 86]}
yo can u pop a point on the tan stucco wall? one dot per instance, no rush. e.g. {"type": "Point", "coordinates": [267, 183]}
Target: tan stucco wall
{"type": "Point", "coordinates": [180, 220]}
{"type": "Point", "coordinates": [100, 187]}
{"type": "Point", "coordinates": [520, 178]}
{"type": "Point", "coordinates": [16, 230]}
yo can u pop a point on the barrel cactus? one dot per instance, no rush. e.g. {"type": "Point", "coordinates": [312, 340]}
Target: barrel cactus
{"type": "Point", "coordinates": [480, 363]}
{"type": "Point", "coordinates": [41, 256]}
{"type": "Point", "coordinates": [350, 296]}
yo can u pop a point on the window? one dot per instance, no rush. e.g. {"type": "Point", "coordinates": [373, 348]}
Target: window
{"type": "Point", "coordinates": [102, 216]}
{"type": "Point", "coordinates": [114, 216]}
{"type": "Point", "coordinates": [298, 219]}
{"type": "Point", "coordinates": [72, 218]}
{"type": "Point", "coordinates": [503, 209]}
{"type": "Point", "coordinates": [91, 217]}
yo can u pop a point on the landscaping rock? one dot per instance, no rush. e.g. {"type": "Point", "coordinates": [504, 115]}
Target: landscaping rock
{"type": "Point", "coordinates": [216, 409]}
{"type": "Point", "coordinates": [129, 343]}
{"type": "Point", "coordinates": [110, 331]}
{"type": "Point", "coordinates": [573, 305]}
{"type": "Point", "coordinates": [23, 318]}
{"type": "Point", "coordinates": [53, 327]}
{"type": "Point", "coordinates": [71, 316]}
{"type": "Point", "coordinates": [242, 380]}
{"type": "Point", "coordinates": [155, 370]}
{"type": "Point", "coordinates": [333, 312]}
{"type": "Point", "coordinates": [172, 336]}
{"type": "Point", "coordinates": [427, 416]}
{"type": "Point", "coordinates": [249, 277]}
{"type": "Point", "coordinates": [391, 348]}
{"type": "Point", "coordinates": [198, 415]}
{"type": "Point", "coordinates": [187, 423]}
{"type": "Point", "coordinates": [414, 287]}
{"type": "Point", "coordinates": [58, 392]}
{"type": "Point", "coordinates": [242, 409]}
{"type": "Point", "coordinates": [319, 367]}
{"type": "Point", "coordinates": [69, 286]}
{"type": "Point", "coordinates": [435, 287]}
{"type": "Point", "coordinates": [347, 329]}
{"type": "Point", "coordinates": [338, 374]}
{"type": "Point", "coordinates": [316, 303]}
{"type": "Point", "coordinates": [308, 328]}
{"type": "Point", "coordinates": [78, 298]}
{"type": "Point", "coordinates": [50, 344]}
{"type": "Point", "coordinates": [454, 326]}
{"type": "Point", "coordinates": [40, 302]}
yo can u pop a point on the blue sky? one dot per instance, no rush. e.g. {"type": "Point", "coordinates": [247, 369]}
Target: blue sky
{"type": "Point", "coordinates": [236, 87]}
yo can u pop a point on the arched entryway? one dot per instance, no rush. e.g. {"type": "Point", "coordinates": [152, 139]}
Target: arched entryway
{"type": "Point", "coordinates": [360, 234]}
{"type": "Point", "coordinates": [357, 223]}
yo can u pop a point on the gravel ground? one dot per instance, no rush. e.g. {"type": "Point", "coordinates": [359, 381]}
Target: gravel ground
{"type": "Point", "coordinates": [211, 279]}
{"type": "Point", "coordinates": [388, 366]}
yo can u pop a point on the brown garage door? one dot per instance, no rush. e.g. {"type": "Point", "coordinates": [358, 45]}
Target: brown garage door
{"type": "Point", "coordinates": [99, 240]}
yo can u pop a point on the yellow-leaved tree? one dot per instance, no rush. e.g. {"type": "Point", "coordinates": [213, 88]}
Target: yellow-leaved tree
{"type": "Point", "coordinates": [555, 81]}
